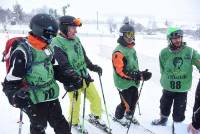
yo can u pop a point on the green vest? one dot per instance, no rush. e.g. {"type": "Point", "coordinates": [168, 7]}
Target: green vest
{"type": "Point", "coordinates": [176, 68]}
{"type": "Point", "coordinates": [131, 65]}
{"type": "Point", "coordinates": [74, 51]}
{"type": "Point", "coordinates": [40, 77]}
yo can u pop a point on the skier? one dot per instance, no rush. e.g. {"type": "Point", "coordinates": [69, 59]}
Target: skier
{"type": "Point", "coordinates": [34, 90]}
{"type": "Point", "coordinates": [73, 62]}
{"type": "Point", "coordinates": [176, 63]}
{"type": "Point", "coordinates": [126, 74]}
{"type": "Point", "coordinates": [194, 127]}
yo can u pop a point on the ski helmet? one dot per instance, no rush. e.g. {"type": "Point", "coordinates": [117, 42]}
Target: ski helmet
{"type": "Point", "coordinates": [127, 31]}
{"type": "Point", "coordinates": [174, 32]}
{"type": "Point", "coordinates": [66, 21]}
{"type": "Point", "coordinates": [44, 26]}
{"type": "Point", "coordinates": [126, 28]}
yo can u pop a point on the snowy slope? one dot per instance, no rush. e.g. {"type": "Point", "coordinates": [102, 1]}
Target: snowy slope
{"type": "Point", "coordinates": [99, 50]}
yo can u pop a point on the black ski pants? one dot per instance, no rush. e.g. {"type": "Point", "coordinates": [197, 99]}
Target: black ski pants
{"type": "Point", "coordinates": [51, 112]}
{"type": "Point", "coordinates": [179, 101]}
{"type": "Point", "coordinates": [128, 96]}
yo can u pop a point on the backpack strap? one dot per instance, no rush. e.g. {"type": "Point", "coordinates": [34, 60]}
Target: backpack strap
{"type": "Point", "coordinates": [29, 54]}
{"type": "Point", "coordinates": [26, 48]}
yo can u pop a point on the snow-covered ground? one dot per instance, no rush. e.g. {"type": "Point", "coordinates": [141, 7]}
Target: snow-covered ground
{"type": "Point", "coordinates": [99, 50]}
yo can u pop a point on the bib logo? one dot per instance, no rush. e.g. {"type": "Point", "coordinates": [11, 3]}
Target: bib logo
{"type": "Point", "coordinates": [177, 62]}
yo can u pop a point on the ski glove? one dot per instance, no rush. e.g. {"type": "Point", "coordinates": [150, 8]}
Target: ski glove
{"type": "Point", "coordinates": [73, 85]}
{"type": "Point", "coordinates": [21, 99]}
{"type": "Point", "coordinates": [97, 69]}
{"type": "Point", "coordinates": [146, 75]}
{"type": "Point", "coordinates": [88, 80]}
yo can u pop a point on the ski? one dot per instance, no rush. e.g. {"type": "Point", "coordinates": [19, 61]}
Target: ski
{"type": "Point", "coordinates": [137, 124]}
{"type": "Point", "coordinates": [103, 127]}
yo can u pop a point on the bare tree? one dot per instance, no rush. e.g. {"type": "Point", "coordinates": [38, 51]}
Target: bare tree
{"type": "Point", "coordinates": [18, 12]}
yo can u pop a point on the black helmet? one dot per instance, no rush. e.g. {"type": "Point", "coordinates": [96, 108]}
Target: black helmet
{"type": "Point", "coordinates": [66, 21]}
{"type": "Point", "coordinates": [44, 26]}
{"type": "Point", "coordinates": [127, 32]}
{"type": "Point", "coordinates": [126, 28]}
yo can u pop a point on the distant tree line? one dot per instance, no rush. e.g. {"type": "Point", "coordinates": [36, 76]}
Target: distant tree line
{"type": "Point", "coordinates": [16, 15]}
{"type": "Point", "coordinates": [13, 16]}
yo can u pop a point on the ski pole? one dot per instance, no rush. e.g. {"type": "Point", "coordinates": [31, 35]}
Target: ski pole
{"type": "Point", "coordinates": [67, 88]}
{"type": "Point", "coordinates": [104, 102]}
{"type": "Point", "coordinates": [20, 121]}
{"type": "Point", "coordinates": [85, 86]}
{"type": "Point", "coordinates": [75, 97]}
{"type": "Point", "coordinates": [139, 108]}
{"type": "Point", "coordinates": [134, 108]}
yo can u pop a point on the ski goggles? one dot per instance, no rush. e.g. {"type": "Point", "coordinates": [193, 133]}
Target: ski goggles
{"type": "Point", "coordinates": [77, 22]}
{"type": "Point", "coordinates": [48, 35]}
{"type": "Point", "coordinates": [129, 35]}
{"type": "Point", "coordinates": [176, 34]}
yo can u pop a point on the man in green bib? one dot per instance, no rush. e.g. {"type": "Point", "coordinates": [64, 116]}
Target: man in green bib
{"type": "Point", "coordinates": [126, 74]}
{"type": "Point", "coordinates": [176, 65]}
{"type": "Point", "coordinates": [30, 84]}
{"type": "Point", "coordinates": [73, 63]}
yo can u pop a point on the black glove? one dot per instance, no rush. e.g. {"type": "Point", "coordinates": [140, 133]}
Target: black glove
{"type": "Point", "coordinates": [135, 75]}
{"type": "Point", "coordinates": [97, 69]}
{"type": "Point", "coordinates": [88, 80]}
{"type": "Point", "coordinates": [21, 99]}
{"type": "Point", "coordinates": [146, 75]}
{"type": "Point", "coordinates": [73, 85]}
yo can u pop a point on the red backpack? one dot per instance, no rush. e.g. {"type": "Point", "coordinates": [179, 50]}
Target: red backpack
{"type": "Point", "coordinates": [11, 45]}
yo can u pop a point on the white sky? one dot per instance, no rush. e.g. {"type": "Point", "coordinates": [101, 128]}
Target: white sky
{"type": "Point", "coordinates": [175, 9]}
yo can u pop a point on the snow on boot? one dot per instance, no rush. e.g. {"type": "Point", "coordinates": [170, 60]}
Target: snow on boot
{"type": "Point", "coordinates": [96, 120]}
{"type": "Point", "coordinates": [124, 122]}
{"type": "Point", "coordinates": [133, 120]}
{"type": "Point", "coordinates": [79, 128]}
{"type": "Point", "coordinates": [179, 128]}
{"type": "Point", "coordinates": [162, 121]}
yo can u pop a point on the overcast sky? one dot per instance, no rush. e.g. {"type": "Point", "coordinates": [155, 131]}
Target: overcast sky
{"type": "Point", "coordinates": [175, 9]}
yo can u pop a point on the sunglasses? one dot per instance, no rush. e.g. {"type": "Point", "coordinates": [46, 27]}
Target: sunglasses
{"type": "Point", "coordinates": [129, 35]}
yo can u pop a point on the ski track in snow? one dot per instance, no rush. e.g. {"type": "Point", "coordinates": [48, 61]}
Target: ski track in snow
{"type": "Point", "coordinates": [99, 50]}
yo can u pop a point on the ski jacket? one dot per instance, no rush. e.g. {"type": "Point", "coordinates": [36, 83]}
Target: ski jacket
{"type": "Point", "coordinates": [124, 59]}
{"type": "Point", "coordinates": [176, 68]}
{"type": "Point", "coordinates": [70, 54]}
{"type": "Point", "coordinates": [39, 80]}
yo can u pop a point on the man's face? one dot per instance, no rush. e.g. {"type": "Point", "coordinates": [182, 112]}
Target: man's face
{"type": "Point", "coordinates": [177, 42]}
{"type": "Point", "coordinates": [71, 34]}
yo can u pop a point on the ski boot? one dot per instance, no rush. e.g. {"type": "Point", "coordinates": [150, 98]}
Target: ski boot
{"type": "Point", "coordinates": [124, 122]}
{"type": "Point", "coordinates": [133, 120]}
{"type": "Point", "coordinates": [79, 128]}
{"type": "Point", "coordinates": [97, 122]}
{"type": "Point", "coordinates": [162, 121]}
